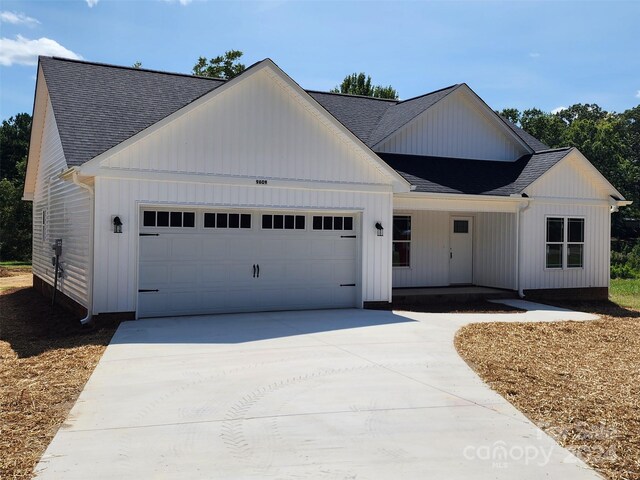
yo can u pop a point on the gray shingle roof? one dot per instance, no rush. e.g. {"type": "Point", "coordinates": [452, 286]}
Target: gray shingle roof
{"type": "Point", "coordinates": [476, 177]}
{"type": "Point", "coordinates": [99, 106]}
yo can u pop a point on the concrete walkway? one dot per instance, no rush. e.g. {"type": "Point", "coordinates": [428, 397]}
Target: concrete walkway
{"type": "Point", "coordinates": [338, 394]}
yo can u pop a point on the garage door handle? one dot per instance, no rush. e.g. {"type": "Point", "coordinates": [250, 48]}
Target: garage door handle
{"type": "Point", "coordinates": [258, 271]}
{"type": "Point", "coordinates": [254, 270]}
{"type": "Point", "coordinates": [145, 290]}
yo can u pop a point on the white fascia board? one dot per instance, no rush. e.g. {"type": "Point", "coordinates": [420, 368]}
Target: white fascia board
{"type": "Point", "coordinates": [577, 155]}
{"type": "Point", "coordinates": [181, 177]}
{"type": "Point", "coordinates": [40, 102]}
{"type": "Point", "coordinates": [92, 167]}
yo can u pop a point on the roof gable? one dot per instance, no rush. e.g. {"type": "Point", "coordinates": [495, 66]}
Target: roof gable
{"type": "Point", "coordinates": [247, 110]}
{"type": "Point", "coordinates": [455, 123]}
{"type": "Point", "coordinates": [99, 106]}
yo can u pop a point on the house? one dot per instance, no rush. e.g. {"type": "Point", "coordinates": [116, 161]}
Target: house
{"type": "Point", "coordinates": [177, 195]}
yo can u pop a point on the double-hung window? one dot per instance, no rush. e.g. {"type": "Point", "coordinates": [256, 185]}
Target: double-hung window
{"type": "Point", "coordinates": [564, 243]}
{"type": "Point", "coordinates": [401, 241]}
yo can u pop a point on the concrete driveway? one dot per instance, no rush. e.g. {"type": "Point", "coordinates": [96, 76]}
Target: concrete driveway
{"type": "Point", "coordinates": [341, 394]}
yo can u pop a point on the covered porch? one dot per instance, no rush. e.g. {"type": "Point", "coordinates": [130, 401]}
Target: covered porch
{"type": "Point", "coordinates": [466, 243]}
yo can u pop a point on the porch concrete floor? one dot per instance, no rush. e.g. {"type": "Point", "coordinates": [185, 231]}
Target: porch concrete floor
{"type": "Point", "coordinates": [437, 291]}
{"type": "Point", "coordinates": [331, 394]}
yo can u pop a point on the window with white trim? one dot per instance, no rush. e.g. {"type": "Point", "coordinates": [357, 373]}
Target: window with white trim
{"type": "Point", "coordinates": [401, 249]}
{"type": "Point", "coordinates": [564, 243]}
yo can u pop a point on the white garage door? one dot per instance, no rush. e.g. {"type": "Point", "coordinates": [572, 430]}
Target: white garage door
{"type": "Point", "coordinates": [197, 262]}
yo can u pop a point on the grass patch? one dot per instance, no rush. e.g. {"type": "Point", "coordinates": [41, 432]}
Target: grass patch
{"type": "Point", "coordinates": [578, 381]}
{"type": "Point", "coordinates": [14, 263]}
{"type": "Point", "coordinates": [626, 292]}
{"type": "Point", "coordinates": [46, 357]}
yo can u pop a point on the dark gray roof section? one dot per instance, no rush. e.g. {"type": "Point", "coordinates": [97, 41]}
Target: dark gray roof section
{"type": "Point", "coordinates": [359, 114]}
{"type": "Point", "coordinates": [405, 111]}
{"type": "Point", "coordinates": [98, 106]}
{"type": "Point", "coordinates": [474, 177]}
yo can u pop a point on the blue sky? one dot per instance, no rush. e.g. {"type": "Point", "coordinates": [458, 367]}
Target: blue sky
{"type": "Point", "coordinates": [513, 54]}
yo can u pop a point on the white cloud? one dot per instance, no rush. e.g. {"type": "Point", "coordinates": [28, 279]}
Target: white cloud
{"type": "Point", "coordinates": [558, 110]}
{"type": "Point", "coordinates": [23, 51]}
{"type": "Point", "coordinates": [16, 18]}
{"type": "Point", "coordinates": [92, 3]}
{"type": "Point", "coordinates": [638, 94]}
{"type": "Point", "coordinates": [534, 55]}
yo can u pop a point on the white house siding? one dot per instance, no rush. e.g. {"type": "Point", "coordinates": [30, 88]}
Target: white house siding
{"type": "Point", "coordinates": [454, 127]}
{"type": "Point", "coordinates": [429, 257]}
{"type": "Point", "coordinates": [115, 277]}
{"type": "Point", "coordinates": [567, 180]}
{"type": "Point", "coordinates": [567, 190]}
{"type": "Point", "coordinates": [256, 128]}
{"type": "Point", "coordinates": [495, 250]}
{"type": "Point", "coordinates": [596, 248]}
{"type": "Point", "coordinates": [67, 216]}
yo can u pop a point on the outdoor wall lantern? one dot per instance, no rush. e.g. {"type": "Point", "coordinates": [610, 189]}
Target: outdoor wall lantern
{"type": "Point", "coordinates": [117, 224]}
{"type": "Point", "coordinates": [379, 228]}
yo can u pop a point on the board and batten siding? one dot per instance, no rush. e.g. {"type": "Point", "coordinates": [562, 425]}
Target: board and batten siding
{"type": "Point", "coordinates": [256, 128]}
{"type": "Point", "coordinates": [453, 127]}
{"type": "Point", "coordinates": [494, 257]}
{"type": "Point", "coordinates": [597, 225]}
{"type": "Point", "coordinates": [67, 216]}
{"type": "Point", "coordinates": [115, 287]}
{"type": "Point", "coordinates": [493, 249]}
{"type": "Point", "coordinates": [429, 255]}
{"type": "Point", "coordinates": [567, 190]}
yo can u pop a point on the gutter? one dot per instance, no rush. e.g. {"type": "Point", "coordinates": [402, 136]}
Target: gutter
{"type": "Point", "coordinates": [72, 175]}
{"type": "Point", "coordinates": [614, 204]}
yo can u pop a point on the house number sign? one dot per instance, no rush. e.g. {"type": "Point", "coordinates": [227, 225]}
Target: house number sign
{"type": "Point", "coordinates": [261, 182]}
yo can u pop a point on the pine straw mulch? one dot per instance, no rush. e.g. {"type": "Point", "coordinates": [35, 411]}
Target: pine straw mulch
{"type": "Point", "coordinates": [45, 360]}
{"type": "Point", "coordinates": [578, 381]}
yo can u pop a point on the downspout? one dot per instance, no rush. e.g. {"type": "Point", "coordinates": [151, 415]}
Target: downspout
{"type": "Point", "coordinates": [75, 180]}
{"type": "Point", "coordinates": [521, 208]}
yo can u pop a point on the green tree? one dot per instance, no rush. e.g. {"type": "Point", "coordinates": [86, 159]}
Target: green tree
{"type": "Point", "coordinates": [511, 114]}
{"type": "Point", "coordinates": [224, 66]}
{"type": "Point", "coordinates": [15, 214]}
{"type": "Point", "coordinates": [360, 84]}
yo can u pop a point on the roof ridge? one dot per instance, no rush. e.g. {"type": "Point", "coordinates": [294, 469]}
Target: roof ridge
{"type": "Point", "coordinates": [556, 149]}
{"type": "Point", "coordinates": [124, 67]}
{"type": "Point", "coordinates": [367, 97]}
{"type": "Point", "coordinates": [430, 93]}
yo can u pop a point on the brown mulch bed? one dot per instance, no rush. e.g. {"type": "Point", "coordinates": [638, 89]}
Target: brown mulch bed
{"type": "Point", "coordinates": [46, 357]}
{"type": "Point", "coordinates": [578, 381]}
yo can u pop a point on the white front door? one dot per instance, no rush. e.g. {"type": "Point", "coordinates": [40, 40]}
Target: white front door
{"type": "Point", "coordinates": [461, 250]}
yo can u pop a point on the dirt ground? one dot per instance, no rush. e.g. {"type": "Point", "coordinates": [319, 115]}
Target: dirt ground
{"type": "Point", "coordinates": [46, 357]}
{"type": "Point", "coordinates": [578, 381]}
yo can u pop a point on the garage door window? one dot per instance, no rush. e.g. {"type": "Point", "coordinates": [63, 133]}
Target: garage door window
{"type": "Point", "coordinates": [283, 222]}
{"type": "Point", "coordinates": [168, 219]}
{"type": "Point", "coordinates": [332, 223]}
{"type": "Point", "coordinates": [227, 220]}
